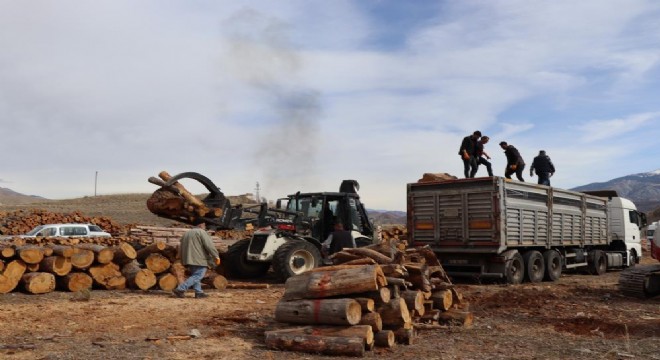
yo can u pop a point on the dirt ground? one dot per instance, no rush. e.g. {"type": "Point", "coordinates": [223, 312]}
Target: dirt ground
{"type": "Point", "coordinates": [578, 317]}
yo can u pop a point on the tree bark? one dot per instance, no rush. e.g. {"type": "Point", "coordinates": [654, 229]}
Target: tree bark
{"type": "Point", "coordinates": [319, 311]}
{"type": "Point", "coordinates": [313, 285]}
{"type": "Point", "coordinates": [74, 281]}
{"type": "Point", "coordinates": [298, 340]}
{"type": "Point", "coordinates": [394, 313]}
{"type": "Point", "coordinates": [455, 317]}
{"type": "Point", "coordinates": [137, 278]}
{"type": "Point", "coordinates": [38, 282]}
{"type": "Point", "coordinates": [367, 304]}
{"type": "Point", "coordinates": [58, 265]}
{"type": "Point", "coordinates": [197, 203]}
{"type": "Point", "coordinates": [375, 255]}
{"type": "Point", "coordinates": [215, 280]}
{"type": "Point", "coordinates": [124, 253]}
{"type": "Point", "coordinates": [414, 300]}
{"type": "Point", "coordinates": [405, 336]}
{"type": "Point", "coordinates": [384, 338]}
{"type": "Point", "coordinates": [442, 299]}
{"type": "Point", "coordinates": [372, 319]}
{"type": "Point", "coordinates": [62, 250]}
{"type": "Point", "coordinates": [156, 247]}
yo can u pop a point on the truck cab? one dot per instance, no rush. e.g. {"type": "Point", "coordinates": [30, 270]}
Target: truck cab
{"type": "Point", "coordinates": [625, 227]}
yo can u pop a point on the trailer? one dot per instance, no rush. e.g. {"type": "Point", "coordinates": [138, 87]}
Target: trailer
{"type": "Point", "coordinates": [516, 231]}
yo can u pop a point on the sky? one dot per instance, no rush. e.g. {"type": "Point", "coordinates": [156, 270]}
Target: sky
{"type": "Point", "coordinates": [299, 95]}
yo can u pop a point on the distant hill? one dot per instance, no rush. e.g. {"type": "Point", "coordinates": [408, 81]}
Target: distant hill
{"type": "Point", "coordinates": [11, 197]}
{"type": "Point", "coordinates": [384, 217]}
{"type": "Point", "coordinates": [643, 189]}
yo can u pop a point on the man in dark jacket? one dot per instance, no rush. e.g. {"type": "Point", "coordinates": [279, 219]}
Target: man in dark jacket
{"type": "Point", "coordinates": [338, 240]}
{"type": "Point", "coordinates": [514, 162]}
{"type": "Point", "coordinates": [468, 152]}
{"type": "Point", "coordinates": [482, 155]}
{"type": "Point", "coordinates": [544, 168]}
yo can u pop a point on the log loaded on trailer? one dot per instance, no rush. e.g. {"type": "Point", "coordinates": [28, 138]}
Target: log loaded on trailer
{"type": "Point", "coordinates": [515, 231]}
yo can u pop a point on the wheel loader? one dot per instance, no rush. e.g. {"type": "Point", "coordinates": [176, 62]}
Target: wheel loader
{"type": "Point", "coordinates": [287, 238]}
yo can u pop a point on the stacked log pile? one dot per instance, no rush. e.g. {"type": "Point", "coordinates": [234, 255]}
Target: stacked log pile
{"type": "Point", "coordinates": [375, 296]}
{"type": "Point", "coordinates": [43, 268]}
{"type": "Point", "coordinates": [21, 221]}
{"type": "Point", "coordinates": [172, 235]}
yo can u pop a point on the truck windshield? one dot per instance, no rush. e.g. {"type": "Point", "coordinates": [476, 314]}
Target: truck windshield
{"type": "Point", "coordinates": [308, 207]}
{"type": "Point", "coordinates": [35, 230]}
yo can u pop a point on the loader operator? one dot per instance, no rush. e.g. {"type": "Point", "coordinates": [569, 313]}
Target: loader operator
{"type": "Point", "coordinates": [197, 253]}
{"type": "Point", "coordinates": [339, 239]}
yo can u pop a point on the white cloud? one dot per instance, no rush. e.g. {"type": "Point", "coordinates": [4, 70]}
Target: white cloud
{"type": "Point", "coordinates": [595, 130]}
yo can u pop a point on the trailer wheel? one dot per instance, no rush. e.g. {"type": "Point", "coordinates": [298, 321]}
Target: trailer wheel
{"type": "Point", "coordinates": [237, 266]}
{"type": "Point", "coordinates": [295, 257]}
{"type": "Point", "coordinates": [514, 271]}
{"type": "Point", "coordinates": [552, 265]}
{"type": "Point", "coordinates": [597, 263]}
{"type": "Point", "coordinates": [534, 266]}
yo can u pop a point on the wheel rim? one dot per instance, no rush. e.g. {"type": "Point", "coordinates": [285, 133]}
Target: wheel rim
{"type": "Point", "coordinates": [307, 261]}
{"type": "Point", "coordinates": [514, 270]}
{"type": "Point", "coordinates": [554, 264]}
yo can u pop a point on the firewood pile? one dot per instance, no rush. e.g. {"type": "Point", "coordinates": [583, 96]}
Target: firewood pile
{"type": "Point", "coordinates": [172, 235]}
{"type": "Point", "coordinates": [377, 295]}
{"type": "Point", "coordinates": [21, 221]}
{"type": "Point", "coordinates": [42, 269]}
{"type": "Point", "coordinates": [396, 233]}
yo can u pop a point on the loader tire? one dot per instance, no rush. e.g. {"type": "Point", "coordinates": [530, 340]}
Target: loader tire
{"type": "Point", "coordinates": [295, 257]}
{"type": "Point", "coordinates": [238, 267]}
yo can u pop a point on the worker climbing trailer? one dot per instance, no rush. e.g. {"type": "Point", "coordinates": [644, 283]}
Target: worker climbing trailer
{"type": "Point", "coordinates": [515, 231]}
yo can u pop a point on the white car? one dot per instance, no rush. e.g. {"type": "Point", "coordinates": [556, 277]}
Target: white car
{"type": "Point", "coordinates": [67, 230]}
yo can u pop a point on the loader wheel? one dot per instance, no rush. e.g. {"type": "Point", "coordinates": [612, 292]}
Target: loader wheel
{"type": "Point", "coordinates": [552, 265]}
{"type": "Point", "coordinates": [295, 257]}
{"type": "Point", "coordinates": [597, 263]}
{"type": "Point", "coordinates": [514, 270]}
{"type": "Point", "coordinates": [534, 266]}
{"type": "Point", "coordinates": [237, 266]}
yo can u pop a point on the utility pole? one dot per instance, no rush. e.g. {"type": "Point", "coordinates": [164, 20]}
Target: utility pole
{"type": "Point", "coordinates": [256, 189]}
{"type": "Point", "coordinates": [96, 178]}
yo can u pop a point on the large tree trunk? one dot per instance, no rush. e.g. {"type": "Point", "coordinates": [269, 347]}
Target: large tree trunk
{"type": "Point", "coordinates": [299, 340]}
{"type": "Point", "coordinates": [394, 313]}
{"type": "Point", "coordinates": [74, 281]}
{"type": "Point", "coordinates": [157, 263]}
{"type": "Point", "coordinates": [58, 265]}
{"type": "Point", "coordinates": [124, 253]}
{"type": "Point", "coordinates": [38, 282]}
{"type": "Point", "coordinates": [102, 254]}
{"type": "Point", "coordinates": [108, 276]}
{"type": "Point", "coordinates": [9, 279]}
{"type": "Point", "coordinates": [82, 259]}
{"type": "Point", "coordinates": [313, 285]}
{"type": "Point", "coordinates": [30, 254]}
{"type": "Point", "coordinates": [319, 311]}
{"type": "Point", "coordinates": [167, 282]}
{"type": "Point", "coordinates": [137, 278]}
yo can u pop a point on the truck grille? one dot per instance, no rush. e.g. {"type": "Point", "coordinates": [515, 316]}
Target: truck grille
{"type": "Point", "coordinates": [258, 243]}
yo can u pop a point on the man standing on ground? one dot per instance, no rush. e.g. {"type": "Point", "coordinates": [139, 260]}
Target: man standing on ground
{"type": "Point", "coordinates": [514, 162]}
{"type": "Point", "coordinates": [544, 168]}
{"type": "Point", "coordinates": [468, 152]}
{"type": "Point", "coordinates": [197, 253]}
{"type": "Point", "coordinates": [481, 153]}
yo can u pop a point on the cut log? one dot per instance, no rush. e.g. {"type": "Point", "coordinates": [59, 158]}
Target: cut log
{"type": "Point", "coordinates": [10, 278]}
{"type": "Point", "coordinates": [319, 311]}
{"type": "Point", "coordinates": [167, 282]}
{"type": "Point", "coordinates": [313, 285]}
{"type": "Point", "coordinates": [414, 300]}
{"type": "Point", "coordinates": [102, 254]}
{"type": "Point", "coordinates": [442, 299]}
{"type": "Point", "coordinates": [342, 257]}
{"type": "Point", "coordinates": [137, 278]}
{"type": "Point", "coordinates": [367, 304]}
{"type": "Point", "coordinates": [32, 267]}
{"type": "Point", "coordinates": [197, 203]}
{"type": "Point", "coordinates": [364, 332]}
{"type": "Point", "coordinates": [61, 250]}
{"type": "Point", "coordinates": [384, 338]}
{"type": "Point", "coordinates": [380, 296]}
{"type": "Point", "coordinates": [431, 316]}
{"type": "Point", "coordinates": [7, 251]}
{"type": "Point", "coordinates": [375, 255]}
{"type": "Point", "coordinates": [394, 270]}
{"type": "Point", "coordinates": [30, 254]}
{"type": "Point", "coordinates": [38, 282]}
{"type": "Point", "coordinates": [456, 297]}
{"type": "Point", "coordinates": [108, 276]}
{"type": "Point", "coordinates": [419, 276]}
{"type": "Point", "coordinates": [47, 251]}
{"type": "Point", "coordinates": [247, 286]}
{"type": "Point", "coordinates": [179, 271]}
{"type": "Point", "coordinates": [157, 263]}
{"type": "Point", "coordinates": [298, 340]}
{"type": "Point", "coordinates": [124, 253]}
{"type": "Point", "coordinates": [394, 313]}
{"type": "Point", "coordinates": [58, 265]}
{"type": "Point", "coordinates": [2, 266]}
{"type": "Point", "coordinates": [457, 318]}
{"type": "Point", "coordinates": [372, 319]}
{"type": "Point", "coordinates": [405, 336]}
{"type": "Point", "coordinates": [82, 259]}
{"type": "Point", "coordinates": [74, 281]}
{"type": "Point", "coordinates": [215, 280]}
{"type": "Point", "coordinates": [362, 261]}
{"type": "Point", "coordinates": [154, 248]}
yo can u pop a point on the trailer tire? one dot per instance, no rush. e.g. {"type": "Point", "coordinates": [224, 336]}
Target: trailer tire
{"type": "Point", "coordinates": [295, 257]}
{"type": "Point", "coordinates": [553, 265]}
{"type": "Point", "coordinates": [514, 271]}
{"type": "Point", "coordinates": [534, 266]}
{"type": "Point", "coordinates": [237, 266]}
{"type": "Point", "coordinates": [597, 263]}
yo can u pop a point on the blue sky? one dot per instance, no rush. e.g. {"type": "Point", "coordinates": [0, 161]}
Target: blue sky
{"type": "Point", "coordinates": [299, 95]}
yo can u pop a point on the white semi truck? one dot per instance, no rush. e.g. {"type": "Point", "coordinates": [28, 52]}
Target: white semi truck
{"type": "Point", "coordinates": [514, 231]}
